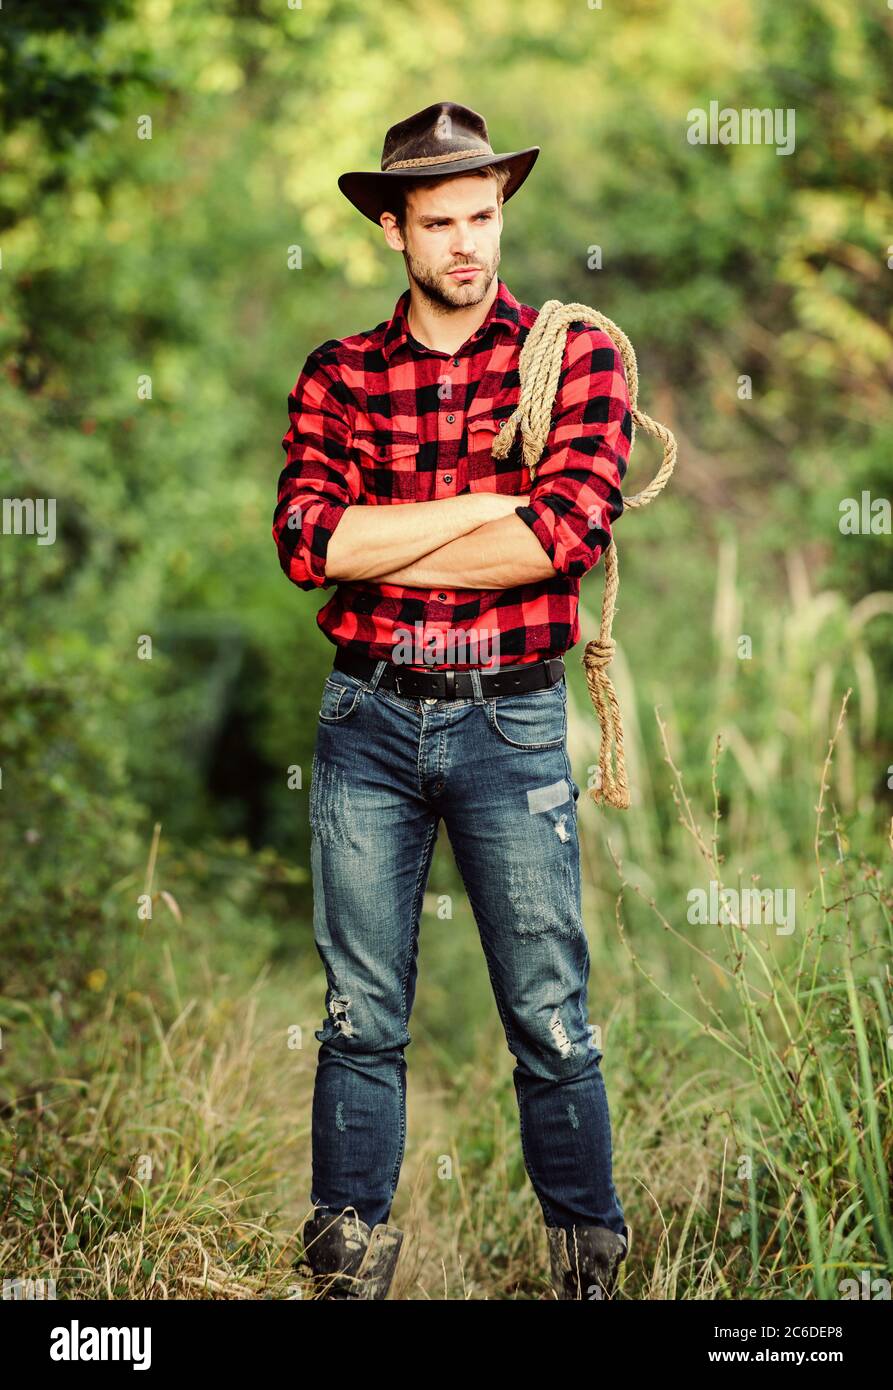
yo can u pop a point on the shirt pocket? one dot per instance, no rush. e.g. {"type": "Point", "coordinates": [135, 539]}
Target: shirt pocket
{"type": "Point", "coordinates": [388, 463]}
{"type": "Point", "coordinates": [485, 473]}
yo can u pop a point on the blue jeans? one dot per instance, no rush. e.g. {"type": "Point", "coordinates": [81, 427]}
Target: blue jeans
{"type": "Point", "coordinates": [386, 768]}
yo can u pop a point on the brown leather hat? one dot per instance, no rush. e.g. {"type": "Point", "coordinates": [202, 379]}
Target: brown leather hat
{"type": "Point", "coordinates": [443, 139]}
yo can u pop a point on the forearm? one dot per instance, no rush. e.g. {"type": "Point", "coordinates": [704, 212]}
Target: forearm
{"type": "Point", "coordinates": [368, 541]}
{"type": "Point", "coordinates": [498, 555]}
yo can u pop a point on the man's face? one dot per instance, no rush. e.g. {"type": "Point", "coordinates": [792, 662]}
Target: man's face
{"type": "Point", "coordinates": [453, 226]}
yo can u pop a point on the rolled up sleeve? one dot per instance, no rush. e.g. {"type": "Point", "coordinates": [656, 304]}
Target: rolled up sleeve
{"type": "Point", "coordinates": [575, 497]}
{"type": "Point", "coordinates": [320, 480]}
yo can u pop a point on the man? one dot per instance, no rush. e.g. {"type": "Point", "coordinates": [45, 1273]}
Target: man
{"type": "Point", "coordinates": [457, 589]}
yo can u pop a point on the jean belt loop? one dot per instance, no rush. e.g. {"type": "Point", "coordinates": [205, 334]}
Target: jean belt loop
{"type": "Point", "coordinates": [377, 675]}
{"type": "Point", "coordinates": [476, 685]}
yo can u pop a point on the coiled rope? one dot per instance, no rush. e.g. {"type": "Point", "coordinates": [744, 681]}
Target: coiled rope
{"type": "Point", "coordinates": [539, 367]}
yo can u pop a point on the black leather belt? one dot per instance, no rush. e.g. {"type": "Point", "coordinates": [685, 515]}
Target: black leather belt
{"type": "Point", "coordinates": [453, 685]}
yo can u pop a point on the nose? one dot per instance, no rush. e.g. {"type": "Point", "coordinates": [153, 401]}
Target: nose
{"type": "Point", "coordinates": [464, 242]}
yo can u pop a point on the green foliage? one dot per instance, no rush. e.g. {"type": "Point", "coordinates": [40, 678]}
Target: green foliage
{"type": "Point", "coordinates": [162, 262]}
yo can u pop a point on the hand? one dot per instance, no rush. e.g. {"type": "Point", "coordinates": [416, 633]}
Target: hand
{"type": "Point", "coordinates": [495, 505]}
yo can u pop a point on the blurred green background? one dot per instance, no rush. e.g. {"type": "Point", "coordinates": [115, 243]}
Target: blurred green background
{"type": "Point", "coordinates": [126, 259]}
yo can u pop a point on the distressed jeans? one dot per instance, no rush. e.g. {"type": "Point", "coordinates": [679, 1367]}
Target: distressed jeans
{"type": "Point", "coordinates": [386, 768]}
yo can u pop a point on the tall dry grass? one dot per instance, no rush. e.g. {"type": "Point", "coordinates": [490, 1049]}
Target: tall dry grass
{"type": "Point", "coordinates": [164, 1150]}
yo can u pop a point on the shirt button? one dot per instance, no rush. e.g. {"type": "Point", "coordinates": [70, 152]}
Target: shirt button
{"type": "Point", "coordinates": [442, 597]}
{"type": "Point", "coordinates": [450, 419]}
{"type": "Point", "coordinates": [447, 477]}
{"type": "Point", "coordinates": [456, 362]}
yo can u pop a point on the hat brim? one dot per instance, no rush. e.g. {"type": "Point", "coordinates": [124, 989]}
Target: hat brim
{"type": "Point", "coordinates": [369, 191]}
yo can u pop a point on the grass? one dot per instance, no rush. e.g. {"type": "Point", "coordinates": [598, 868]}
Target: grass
{"type": "Point", "coordinates": [159, 1147]}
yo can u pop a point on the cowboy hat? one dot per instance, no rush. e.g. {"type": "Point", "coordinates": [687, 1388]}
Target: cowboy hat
{"type": "Point", "coordinates": [443, 139]}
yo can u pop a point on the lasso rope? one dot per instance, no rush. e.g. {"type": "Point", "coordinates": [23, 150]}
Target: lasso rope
{"type": "Point", "coordinates": [540, 366]}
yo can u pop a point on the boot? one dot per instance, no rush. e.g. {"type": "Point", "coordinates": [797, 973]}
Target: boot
{"type": "Point", "coordinates": [586, 1261]}
{"type": "Point", "coordinates": [347, 1260]}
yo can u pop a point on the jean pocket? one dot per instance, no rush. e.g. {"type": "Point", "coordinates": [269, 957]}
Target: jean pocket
{"type": "Point", "coordinates": [535, 720]}
{"type": "Point", "coordinates": [340, 700]}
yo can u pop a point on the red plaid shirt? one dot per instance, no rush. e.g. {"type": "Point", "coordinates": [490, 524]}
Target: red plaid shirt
{"type": "Point", "coordinates": [378, 418]}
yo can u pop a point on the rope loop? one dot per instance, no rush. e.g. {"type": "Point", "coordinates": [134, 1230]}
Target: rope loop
{"type": "Point", "coordinates": [539, 367]}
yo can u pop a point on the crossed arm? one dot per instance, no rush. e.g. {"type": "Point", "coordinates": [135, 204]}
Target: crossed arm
{"type": "Point", "coordinates": [477, 540]}
{"type": "Point", "coordinates": [470, 542]}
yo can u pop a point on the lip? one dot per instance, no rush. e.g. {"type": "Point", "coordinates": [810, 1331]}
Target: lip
{"type": "Point", "coordinates": [465, 272]}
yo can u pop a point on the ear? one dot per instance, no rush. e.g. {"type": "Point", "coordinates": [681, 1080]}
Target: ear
{"type": "Point", "coordinates": [392, 231]}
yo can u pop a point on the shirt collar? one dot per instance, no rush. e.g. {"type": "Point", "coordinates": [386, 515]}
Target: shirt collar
{"type": "Point", "coordinates": [504, 313]}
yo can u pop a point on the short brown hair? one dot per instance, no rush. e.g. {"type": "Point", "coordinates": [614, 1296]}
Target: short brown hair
{"type": "Point", "coordinates": [396, 202]}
